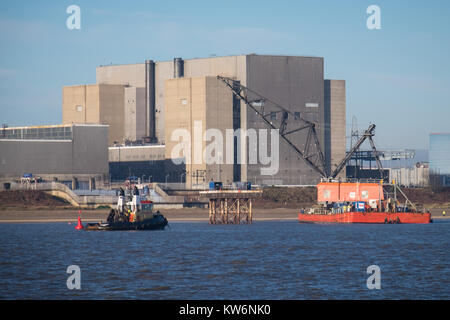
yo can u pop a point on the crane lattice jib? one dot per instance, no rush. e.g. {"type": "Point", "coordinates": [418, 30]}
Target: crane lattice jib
{"type": "Point", "coordinates": [368, 134]}
{"type": "Point", "coordinates": [310, 152]}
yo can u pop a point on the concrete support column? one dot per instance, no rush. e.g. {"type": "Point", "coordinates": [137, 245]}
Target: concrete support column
{"type": "Point", "coordinates": [92, 184]}
{"type": "Point", "coordinates": [74, 183]}
{"type": "Point", "coordinates": [150, 118]}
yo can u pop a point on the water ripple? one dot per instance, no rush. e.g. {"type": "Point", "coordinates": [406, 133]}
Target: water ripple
{"type": "Point", "coordinates": [266, 260]}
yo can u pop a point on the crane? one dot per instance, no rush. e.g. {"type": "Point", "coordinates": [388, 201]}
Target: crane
{"type": "Point", "coordinates": [368, 134]}
{"type": "Point", "coordinates": [310, 151]}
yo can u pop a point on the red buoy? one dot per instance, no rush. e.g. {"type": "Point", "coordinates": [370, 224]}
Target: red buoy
{"type": "Point", "coordinates": [79, 225]}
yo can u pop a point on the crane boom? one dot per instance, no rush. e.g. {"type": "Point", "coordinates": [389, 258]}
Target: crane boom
{"type": "Point", "coordinates": [368, 134]}
{"type": "Point", "coordinates": [310, 152]}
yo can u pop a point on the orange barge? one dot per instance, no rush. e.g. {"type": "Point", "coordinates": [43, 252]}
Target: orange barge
{"type": "Point", "coordinates": [366, 217]}
{"type": "Point", "coordinates": [345, 202]}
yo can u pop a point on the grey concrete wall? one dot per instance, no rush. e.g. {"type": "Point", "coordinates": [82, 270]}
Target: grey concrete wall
{"type": "Point", "coordinates": [207, 101]}
{"type": "Point", "coordinates": [90, 149]}
{"type": "Point", "coordinates": [132, 75]}
{"type": "Point", "coordinates": [137, 153]}
{"type": "Point", "coordinates": [288, 80]}
{"type": "Point", "coordinates": [30, 156]}
{"type": "Point", "coordinates": [98, 104]}
{"type": "Point", "coordinates": [134, 113]}
{"type": "Point", "coordinates": [335, 129]}
{"type": "Point", "coordinates": [111, 99]}
{"type": "Point", "coordinates": [231, 66]}
{"type": "Point", "coordinates": [163, 71]}
{"type": "Point", "coordinates": [86, 154]}
{"type": "Point", "coordinates": [80, 104]}
{"type": "Point", "coordinates": [291, 82]}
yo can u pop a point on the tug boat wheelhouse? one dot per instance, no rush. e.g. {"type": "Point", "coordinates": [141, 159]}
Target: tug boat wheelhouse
{"type": "Point", "coordinates": [135, 214]}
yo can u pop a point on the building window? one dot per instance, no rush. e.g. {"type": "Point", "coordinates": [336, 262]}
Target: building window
{"type": "Point", "coordinates": [297, 115]}
{"type": "Point", "coordinates": [273, 115]}
{"type": "Point", "coordinates": [311, 105]}
{"type": "Point", "coordinates": [79, 108]}
{"type": "Point", "coordinates": [183, 102]}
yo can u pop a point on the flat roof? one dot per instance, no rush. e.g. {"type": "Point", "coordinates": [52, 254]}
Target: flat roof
{"type": "Point", "coordinates": [213, 57]}
{"type": "Point", "coordinates": [57, 126]}
{"type": "Point", "coordinates": [35, 140]}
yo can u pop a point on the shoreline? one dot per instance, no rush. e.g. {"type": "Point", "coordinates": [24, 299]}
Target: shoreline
{"type": "Point", "coordinates": [172, 215]}
{"type": "Point", "coordinates": [96, 220]}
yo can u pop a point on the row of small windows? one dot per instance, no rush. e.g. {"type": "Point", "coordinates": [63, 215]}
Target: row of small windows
{"type": "Point", "coordinates": [56, 133]}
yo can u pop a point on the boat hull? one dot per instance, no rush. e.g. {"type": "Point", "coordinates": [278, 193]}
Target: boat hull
{"type": "Point", "coordinates": [156, 223]}
{"type": "Point", "coordinates": [366, 217]}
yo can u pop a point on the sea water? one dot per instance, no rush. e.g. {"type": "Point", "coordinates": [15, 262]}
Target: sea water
{"type": "Point", "coordinates": [265, 260]}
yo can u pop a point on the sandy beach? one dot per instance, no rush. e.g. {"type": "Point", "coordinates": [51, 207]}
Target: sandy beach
{"type": "Point", "coordinates": [187, 214]}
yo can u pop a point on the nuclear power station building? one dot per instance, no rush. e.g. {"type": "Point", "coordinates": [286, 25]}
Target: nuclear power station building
{"type": "Point", "coordinates": [75, 154]}
{"type": "Point", "coordinates": [145, 104]}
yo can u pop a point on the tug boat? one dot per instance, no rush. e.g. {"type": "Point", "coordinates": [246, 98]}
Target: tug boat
{"type": "Point", "coordinates": [369, 202]}
{"type": "Point", "coordinates": [136, 214]}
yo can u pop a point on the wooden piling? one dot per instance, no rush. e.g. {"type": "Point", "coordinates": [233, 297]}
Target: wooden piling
{"type": "Point", "coordinates": [233, 206]}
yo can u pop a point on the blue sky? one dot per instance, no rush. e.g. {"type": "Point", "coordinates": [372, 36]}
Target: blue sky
{"type": "Point", "coordinates": [397, 77]}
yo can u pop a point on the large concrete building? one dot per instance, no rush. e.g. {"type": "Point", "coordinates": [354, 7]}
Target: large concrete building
{"type": "Point", "coordinates": [97, 104]}
{"type": "Point", "coordinates": [416, 176]}
{"type": "Point", "coordinates": [134, 117]}
{"type": "Point", "coordinates": [197, 105]}
{"type": "Point", "coordinates": [67, 153]}
{"type": "Point", "coordinates": [440, 159]}
{"type": "Point", "coordinates": [335, 144]}
{"type": "Point", "coordinates": [294, 82]}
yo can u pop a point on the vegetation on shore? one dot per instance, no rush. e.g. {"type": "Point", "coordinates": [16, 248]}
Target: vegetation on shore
{"type": "Point", "coordinates": [304, 197]}
{"type": "Point", "coordinates": [428, 197]}
{"type": "Point", "coordinates": [31, 199]}
{"type": "Point", "coordinates": [284, 197]}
